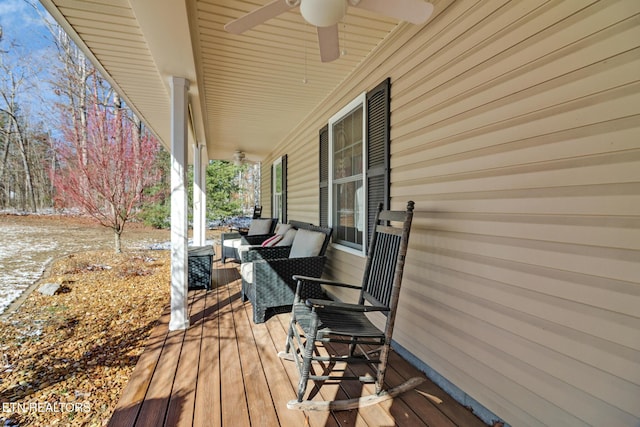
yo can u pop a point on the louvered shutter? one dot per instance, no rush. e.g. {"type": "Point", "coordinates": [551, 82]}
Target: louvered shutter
{"type": "Point", "coordinates": [378, 143]}
{"type": "Point", "coordinates": [324, 176]}
{"type": "Point", "coordinates": [284, 219]}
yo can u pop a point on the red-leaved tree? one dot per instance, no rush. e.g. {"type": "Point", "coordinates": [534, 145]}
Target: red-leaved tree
{"type": "Point", "coordinates": [104, 168]}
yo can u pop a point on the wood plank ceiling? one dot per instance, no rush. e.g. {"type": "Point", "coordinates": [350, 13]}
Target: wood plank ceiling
{"type": "Point", "coordinates": [247, 91]}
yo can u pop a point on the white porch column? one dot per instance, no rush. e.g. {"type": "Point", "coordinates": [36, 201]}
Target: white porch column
{"type": "Point", "coordinates": [204, 162]}
{"type": "Point", "coordinates": [199, 194]}
{"type": "Point", "coordinates": [179, 224]}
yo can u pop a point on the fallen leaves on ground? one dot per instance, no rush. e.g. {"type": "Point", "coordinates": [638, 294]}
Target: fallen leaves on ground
{"type": "Point", "coordinates": [65, 359]}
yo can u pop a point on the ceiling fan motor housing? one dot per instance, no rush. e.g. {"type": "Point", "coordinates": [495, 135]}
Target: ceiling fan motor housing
{"type": "Point", "coordinates": [238, 158]}
{"type": "Point", "coordinates": [323, 13]}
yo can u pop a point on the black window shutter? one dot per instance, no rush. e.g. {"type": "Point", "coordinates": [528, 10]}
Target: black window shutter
{"type": "Point", "coordinates": [284, 219]}
{"type": "Point", "coordinates": [273, 173]}
{"type": "Point", "coordinates": [324, 176]}
{"type": "Point", "coordinates": [378, 150]}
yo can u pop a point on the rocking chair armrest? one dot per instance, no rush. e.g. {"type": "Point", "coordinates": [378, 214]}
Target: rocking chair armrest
{"type": "Point", "coordinates": [343, 306]}
{"type": "Point", "coordinates": [299, 278]}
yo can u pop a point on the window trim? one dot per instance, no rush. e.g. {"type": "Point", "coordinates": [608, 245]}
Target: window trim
{"type": "Point", "coordinates": [359, 101]}
{"type": "Point", "coordinates": [282, 162]}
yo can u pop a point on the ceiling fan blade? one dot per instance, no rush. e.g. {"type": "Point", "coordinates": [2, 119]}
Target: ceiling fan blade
{"type": "Point", "coordinates": [414, 11]}
{"type": "Point", "coordinates": [329, 43]}
{"type": "Point", "coordinates": [257, 17]}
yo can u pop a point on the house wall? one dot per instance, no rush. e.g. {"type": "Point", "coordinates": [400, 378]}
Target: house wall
{"type": "Point", "coordinates": [516, 130]}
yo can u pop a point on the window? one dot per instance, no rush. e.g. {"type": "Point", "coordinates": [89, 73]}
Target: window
{"type": "Point", "coordinates": [346, 145]}
{"type": "Point", "coordinates": [354, 167]}
{"type": "Point", "coordinates": [279, 189]}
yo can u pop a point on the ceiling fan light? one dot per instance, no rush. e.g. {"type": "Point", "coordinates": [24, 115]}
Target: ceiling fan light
{"type": "Point", "coordinates": [238, 158]}
{"type": "Point", "coordinates": [323, 13]}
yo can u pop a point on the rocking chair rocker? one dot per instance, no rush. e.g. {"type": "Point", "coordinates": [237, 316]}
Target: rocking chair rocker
{"type": "Point", "coordinates": [316, 323]}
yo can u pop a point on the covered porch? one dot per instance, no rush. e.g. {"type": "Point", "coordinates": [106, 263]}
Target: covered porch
{"type": "Point", "coordinates": [514, 126]}
{"type": "Point", "coordinates": [224, 371]}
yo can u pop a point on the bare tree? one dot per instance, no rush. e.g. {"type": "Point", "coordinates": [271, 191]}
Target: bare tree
{"type": "Point", "coordinates": [15, 79]}
{"type": "Point", "coordinates": [102, 175]}
{"type": "Point", "coordinates": [71, 83]}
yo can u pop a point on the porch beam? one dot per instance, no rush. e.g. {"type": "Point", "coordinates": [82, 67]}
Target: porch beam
{"type": "Point", "coordinates": [179, 224]}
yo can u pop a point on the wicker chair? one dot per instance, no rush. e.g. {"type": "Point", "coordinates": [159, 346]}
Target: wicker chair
{"type": "Point", "coordinates": [257, 213]}
{"type": "Point", "coordinates": [267, 273]}
{"type": "Point", "coordinates": [331, 324]}
{"type": "Point", "coordinates": [231, 241]}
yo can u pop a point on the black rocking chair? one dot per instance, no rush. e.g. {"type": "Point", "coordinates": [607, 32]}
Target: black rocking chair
{"type": "Point", "coordinates": [316, 322]}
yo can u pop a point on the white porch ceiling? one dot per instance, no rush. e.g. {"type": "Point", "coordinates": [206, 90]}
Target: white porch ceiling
{"type": "Point", "coordinates": [247, 91]}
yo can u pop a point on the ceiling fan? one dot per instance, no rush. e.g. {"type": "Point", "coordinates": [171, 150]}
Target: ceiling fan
{"type": "Point", "coordinates": [238, 158]}
{"type": "Point", "coordinates": [326, 14]}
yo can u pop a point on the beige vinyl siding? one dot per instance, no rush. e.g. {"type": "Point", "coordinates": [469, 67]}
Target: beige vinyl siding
{"type": "Point", "coordinates": [515, 128]}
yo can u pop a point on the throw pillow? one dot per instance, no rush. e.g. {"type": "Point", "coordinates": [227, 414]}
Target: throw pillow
{"type": "Point", "coordinates": [271, 241]}
{"type": "Point", "coordinates": [306, 244]}
{"type": "Point", "coordinates": [282, 229]}
{"type": "Point", "coordinates": [287, 240]}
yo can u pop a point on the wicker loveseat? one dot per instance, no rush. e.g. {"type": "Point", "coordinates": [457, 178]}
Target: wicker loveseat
{"type": "Point", "coordinates": [267, 272]}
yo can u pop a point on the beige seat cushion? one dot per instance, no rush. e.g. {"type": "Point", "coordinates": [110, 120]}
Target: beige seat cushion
{"type": "Point", "coordinates": [242, 249]}
{"type": "Point", "coordinates": [231, 243]}
{"type": "Point", "coordinates": [246, 270]}
{"type": "Point", "coordinates": [259, 226]}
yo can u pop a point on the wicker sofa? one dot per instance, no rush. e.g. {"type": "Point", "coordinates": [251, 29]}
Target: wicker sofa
{"type": "Point", "coordinates": [267, 272]}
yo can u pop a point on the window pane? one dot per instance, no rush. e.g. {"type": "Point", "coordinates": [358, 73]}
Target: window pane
{"type": "Point", "coordinates": [356, 159]}
{"type": "Point", "coordinates": [278, 178]}
{"type": "Point", "coordinates": [347, 145]}
{"type": "Point", "coordinates": [349, 221]}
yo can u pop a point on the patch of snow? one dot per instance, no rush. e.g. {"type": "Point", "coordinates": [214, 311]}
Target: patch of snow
{"type": "Point", "coordinates": [21, 261]}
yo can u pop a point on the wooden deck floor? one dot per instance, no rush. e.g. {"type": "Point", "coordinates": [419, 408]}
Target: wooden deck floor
{"type": "Point", "coordinates": [224, 371]}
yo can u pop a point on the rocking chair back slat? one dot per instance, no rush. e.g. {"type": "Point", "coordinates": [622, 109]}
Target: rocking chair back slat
{"type": "Point", "coordinates": [377, 289]}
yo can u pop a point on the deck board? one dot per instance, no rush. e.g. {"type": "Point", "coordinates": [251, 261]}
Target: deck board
{"type": "Point", "coordinates": [182, 399]}
{"type": "Point", "coordinates": [234, 404]}
{"type": "Point", "coordinates": [224, 371]}
{"type": "Point", "coordinates": [207, 407]}
{"type": "Point", "coordinates": [279, 384]}
{"type": "Point", "coordinates": [126, 412]}
{"type": "Point", "coordinates": [259, 400]}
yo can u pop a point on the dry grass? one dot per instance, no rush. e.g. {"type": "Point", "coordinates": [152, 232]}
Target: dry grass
{"type": "Point", "coordinates": [66, 358]}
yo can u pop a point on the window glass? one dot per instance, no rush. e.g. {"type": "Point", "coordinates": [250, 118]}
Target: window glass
{"type": "Point", "coordinates": [278, 200]}
{"type": "Point", "coordinates": [347, 145]}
